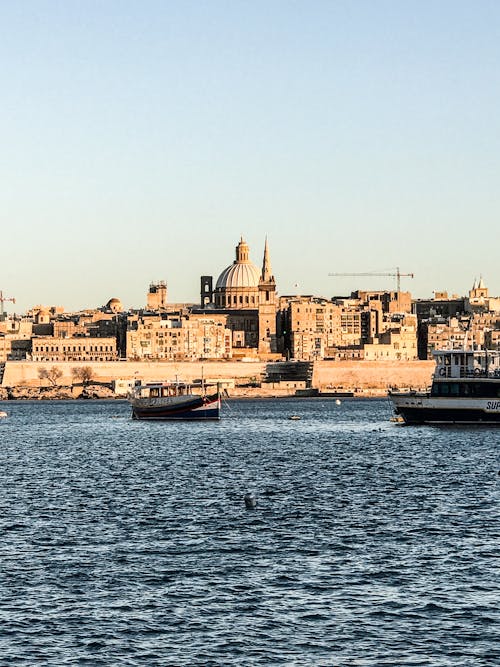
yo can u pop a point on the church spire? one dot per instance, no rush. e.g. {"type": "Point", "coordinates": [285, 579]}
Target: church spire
{"type": "Point", "coordinates": [266, 265]}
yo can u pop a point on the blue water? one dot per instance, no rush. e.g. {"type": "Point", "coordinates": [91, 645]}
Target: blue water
{"type": "Point", "coordinates": [129, 543]}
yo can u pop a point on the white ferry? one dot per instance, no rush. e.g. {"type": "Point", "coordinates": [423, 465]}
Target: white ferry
{"type": "Point", "coordinates": [465, 390]}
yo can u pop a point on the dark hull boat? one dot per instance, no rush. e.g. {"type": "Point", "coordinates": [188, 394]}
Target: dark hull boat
{"type": "Point", "coordinates": [465, 390]}
{"type": "Point", "coordinates": [169, 401]}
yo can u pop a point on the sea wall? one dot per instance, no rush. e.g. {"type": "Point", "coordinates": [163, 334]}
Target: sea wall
{"type": "Point", "coordinates": [364, 377]}
{"type": "Point", "coordinates": [372, 375]}
{"type": "Point", "coordinates": [26, 372]}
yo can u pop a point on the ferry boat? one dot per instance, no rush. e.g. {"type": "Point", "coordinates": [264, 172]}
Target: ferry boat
{"type": "Point", "coordinates": [465, 390]}
{"type": "Point", "coordinates": [170, 401]}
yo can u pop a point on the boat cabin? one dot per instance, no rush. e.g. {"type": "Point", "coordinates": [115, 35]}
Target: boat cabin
{"type": "Point", "coordinates": [162, 389]}
{"type": "Point", "coordinates": [456, 364]}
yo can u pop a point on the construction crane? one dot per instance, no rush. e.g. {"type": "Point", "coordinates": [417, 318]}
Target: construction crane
{"type": "Point", "coordinates": [3, 299]}
{"type": "Point", "coordinates": [398, 275]}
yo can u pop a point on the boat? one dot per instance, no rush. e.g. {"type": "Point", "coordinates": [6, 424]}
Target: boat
{"type": "Point", "coordinates": [172, 401]}
{"type": "Point", "coordinates": [465, 390]}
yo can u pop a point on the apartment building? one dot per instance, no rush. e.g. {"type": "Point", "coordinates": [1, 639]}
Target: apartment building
{"type": "Point", "coordinates": [77, 348]}
{"type": "Point", "coordinates": [177, 339]}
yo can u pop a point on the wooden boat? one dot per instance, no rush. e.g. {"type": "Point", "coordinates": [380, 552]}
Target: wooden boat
{"type": "Point", "coordinates": [173, 401]}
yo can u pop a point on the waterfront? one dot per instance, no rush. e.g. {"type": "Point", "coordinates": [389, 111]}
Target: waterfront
{"type": "Point", "coordinates": [129, 543]}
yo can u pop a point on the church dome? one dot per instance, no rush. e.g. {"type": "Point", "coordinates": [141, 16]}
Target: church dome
{"type": "Point", "coordinates": [238, 275]}
{"type": "Point", "coordinates": [114, 305]}
{"type": "Point", "coordinates": [241, 274]}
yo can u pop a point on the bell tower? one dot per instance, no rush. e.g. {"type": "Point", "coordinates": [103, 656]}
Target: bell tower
{"type": "Point", "coordinates": [206, 290]}
{"type": "Point", "coordinates": [267, 306]}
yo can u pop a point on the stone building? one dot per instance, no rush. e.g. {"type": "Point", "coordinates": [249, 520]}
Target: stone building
{"type": "Point", "coordinates": [397, 343]}
{"type": "Point", "coordinates": [157, 296]}
{"type": "Point", "coordinates": [248, 297]}
{"type": "Point", "coordinates": [480, 301]}
{"type": "Point", "coordinates": [466, 332]}
{"type": "Point", "coordinates": [390, 302]}
{"type": "Point", "coordinates": [492, 339]}
{"type": "Point", "coordinates": [316, 328]}
{"type": "Point", "coordinates": [15, 338]}
{"type": "Point", "coordinates": [78, 348]}
{"type": "Point", "coordinates": [183, 338]}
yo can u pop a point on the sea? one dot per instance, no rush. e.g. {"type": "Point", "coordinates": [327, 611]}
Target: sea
{"type": "Point", "coordinates": [130, 543]}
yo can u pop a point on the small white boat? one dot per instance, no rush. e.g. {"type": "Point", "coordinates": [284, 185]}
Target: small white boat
{"type": "Point", "coordinates": [3, 414]}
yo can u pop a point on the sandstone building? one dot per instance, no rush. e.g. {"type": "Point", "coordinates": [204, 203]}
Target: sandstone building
{"type": "Point", "coordinates": [178, 338]}
{"type": "Point", "coordinates": [78, 348]}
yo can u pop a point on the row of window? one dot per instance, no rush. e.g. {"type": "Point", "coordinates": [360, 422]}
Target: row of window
{"type": "Point", "coordinates": [236, 299]}
{"type": "Point", "coordinates": [74, 348]}
{"type": "Point", "coordinates": [467, 389]}
{"type": "Point", "coordinates": [74, 357]}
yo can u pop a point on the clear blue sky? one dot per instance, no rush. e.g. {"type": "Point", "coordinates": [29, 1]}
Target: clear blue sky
{"type": "Point", "coordinates": [141, 139]}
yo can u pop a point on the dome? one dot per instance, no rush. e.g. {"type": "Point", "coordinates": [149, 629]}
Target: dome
{"type": "Point", "coordinates": [238, 275]}
{"type": "Point", "coordinates": [242, 273]}
{"type": "Point", "coordinates": [115, 305]}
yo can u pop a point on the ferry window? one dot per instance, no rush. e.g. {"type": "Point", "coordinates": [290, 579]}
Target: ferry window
{"type": "Point", "coordinates": [444, 389]}
{"type": "Point", "coordinates": [454, 389]}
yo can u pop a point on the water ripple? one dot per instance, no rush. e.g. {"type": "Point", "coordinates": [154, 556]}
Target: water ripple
{"type": "Point", "coordinates": [125, 543]}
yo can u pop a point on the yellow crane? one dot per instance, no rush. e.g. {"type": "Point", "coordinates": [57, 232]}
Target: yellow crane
{"type": "Point", "coordinates": [398, 275]}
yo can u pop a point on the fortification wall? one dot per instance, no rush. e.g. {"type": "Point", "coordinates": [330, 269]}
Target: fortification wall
{"type": "Point", "coordinates": [328, 375]}
{"type": "Point", "coordinates": [367, 375]}
{"type": "Point", "coordinates": [26, 372]}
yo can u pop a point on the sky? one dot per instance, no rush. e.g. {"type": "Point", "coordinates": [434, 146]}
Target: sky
{"type": "Point", "coordinates": [141, 139]}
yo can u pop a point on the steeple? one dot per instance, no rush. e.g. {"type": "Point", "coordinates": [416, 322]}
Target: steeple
{"type": "Point", "coordinates": [266, 275]}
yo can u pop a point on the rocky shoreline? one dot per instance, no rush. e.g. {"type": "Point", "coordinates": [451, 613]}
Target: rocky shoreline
{"type": "Point", "coordinates": [99, 392]}
{"type": "Point", "coordinates": [92, 392]}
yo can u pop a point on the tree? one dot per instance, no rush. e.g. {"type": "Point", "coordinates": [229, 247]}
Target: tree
{"type": "Point", "coordinates": [52, 374]}
{"type": "Point", "coordinates": [83, 374]}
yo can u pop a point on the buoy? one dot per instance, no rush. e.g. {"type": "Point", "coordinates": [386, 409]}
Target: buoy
{"type": "Point", "coordinates": [337, 402]}
{"type": "Point", "coordinates": [250, 501]}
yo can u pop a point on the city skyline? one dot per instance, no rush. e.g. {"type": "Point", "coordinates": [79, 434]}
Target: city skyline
{"type": "Point", "coordinates": [141, 140]}
{"type": "Point", "coordinates": [363, 282]}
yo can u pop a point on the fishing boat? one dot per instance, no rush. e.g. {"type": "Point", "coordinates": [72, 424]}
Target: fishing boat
{"type": "Point", "coordinates": [172, 401]}
{"type": "Point", "coordinates": [465, 390]}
